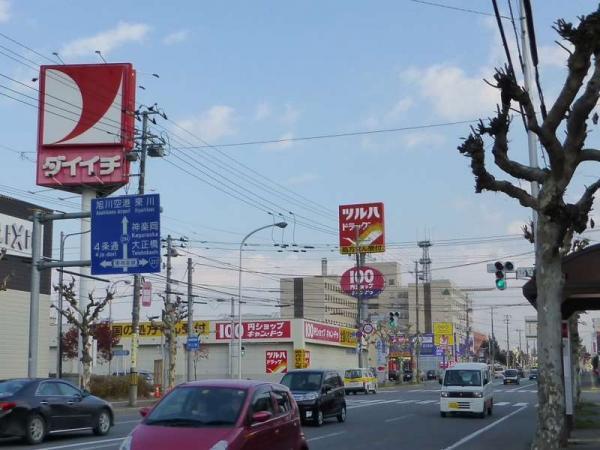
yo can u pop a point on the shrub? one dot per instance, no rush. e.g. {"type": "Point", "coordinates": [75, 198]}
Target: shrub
{"type": "Point", "coordinates": [116, 387]}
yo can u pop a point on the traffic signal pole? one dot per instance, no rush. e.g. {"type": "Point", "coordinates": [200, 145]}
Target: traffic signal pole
{"type": "Point", "coordinates": [418, 352]}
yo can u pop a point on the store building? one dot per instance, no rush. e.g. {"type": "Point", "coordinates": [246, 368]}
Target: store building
{"type": "Point", "coordinates": [15, 283]}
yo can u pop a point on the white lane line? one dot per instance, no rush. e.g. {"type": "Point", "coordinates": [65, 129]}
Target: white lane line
{"type": "Point", "coordinates": [501, 404]}
{"type": "Point", "coordinates": [403, 402]}
{"type": "Point", "coordinates": [325, 436]}
{"type": "Point", "coordinates": [128, 421]}
{"type": "Point", "coordinates": [425, 402]}
{"type": "Point", "coordinates": [484, 429]}
{"type": "Point", "coordinates": [80, 444]}
{"type": "Point", "coordinates": [521, 404]}
{"type": "Point", "coordinates": [393, 419]}
{"type": "Point", "coordinates": [519, 388]}
{"type": "Point", "coordinates": [371, 404]}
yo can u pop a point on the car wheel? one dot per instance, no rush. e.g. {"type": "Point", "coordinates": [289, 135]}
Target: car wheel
{"type": "Point", "coordinates": [481, 415]}
{"type": "Point", "coordinates": [102, 423]}
{"type": "Point", "coordinates": [35, 429]}
{"type": "Point", "coordinates": [442, 413]}
{"type": "Point", "coordinates": [319, 419]}
{"type": "Point", "coordinates": [341, 417]}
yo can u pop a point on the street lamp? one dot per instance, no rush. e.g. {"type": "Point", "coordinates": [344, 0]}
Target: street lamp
{"type": "Point", "coordinates": [240, 326]}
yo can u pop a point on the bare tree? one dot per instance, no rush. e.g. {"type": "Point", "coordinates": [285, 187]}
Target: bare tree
{"type": "Point", "coordinates": [172, 314]}
{"type": "Point", "coordinates": [83, 319]}
{"type": "Point", "coordinates": [198, 355]}
{"type": "Point", "coordinates": [558, 220]}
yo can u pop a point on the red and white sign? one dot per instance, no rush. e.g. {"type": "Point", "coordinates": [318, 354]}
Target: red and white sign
{"type": "Point", "coordinates": [364, 223]}
{"type": "Point", "coordinates": [266, 329]}
{"type": "Point", "coordinates": [367, 282]}
{"type": "Point", "coordinates": [86, 125]}
{"type": "Point", "coordinates": [276, 361]}
{"type": "Point", "coordinates": [321, 332]}
{"type": "Point", "coordinates": [147, 293]}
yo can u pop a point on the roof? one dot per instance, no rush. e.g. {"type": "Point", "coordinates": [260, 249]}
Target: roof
{"type": "Point", "coordinates": [468, 366]}
{"type": "Point", "coordinates": [237, 384]}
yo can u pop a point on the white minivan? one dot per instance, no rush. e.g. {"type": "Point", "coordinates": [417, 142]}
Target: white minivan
{"type": "Point", "coordinates": [467, 387]}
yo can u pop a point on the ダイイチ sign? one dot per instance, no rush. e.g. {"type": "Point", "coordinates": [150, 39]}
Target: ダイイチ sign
{"type": "Point", "coordinates": [267, 329]}
{"type": "Point", "coordinates": [363, 222]}
{"type": "Point", "coordinates": [86, 126]}
{"type": "Point", "coordinates": [367, 282]}
{"type": "Point", "coordinates": [276, 361]}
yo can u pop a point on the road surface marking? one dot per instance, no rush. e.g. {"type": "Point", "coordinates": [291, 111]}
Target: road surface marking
{"type": "Point", "coordinates": [325, 436]}
{"type": "Point", "coordinates": [425, 402]}
{"type": "Point", "coordinates": [103, 441]}
{"type": "Point", "coordinates": [521, 404]}
{"type": "Point", "coordinates": [484, 429]}
{"type": "Point", "coordinates": [501, 404]}
{"type": "Point", "coordinates": [401, 402]}
{"type": "Point", "coordinates": [362, 405]}
{"type": "Point", "coordinates": [393, 419]}
{"type": "Point", "coordinates": [521, 387]}
{"type": "Point", "coordinates": [127, 421]}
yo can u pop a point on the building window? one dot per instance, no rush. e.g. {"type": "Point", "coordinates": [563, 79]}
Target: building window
{"type": "Point", "coordinates": [391, 282]}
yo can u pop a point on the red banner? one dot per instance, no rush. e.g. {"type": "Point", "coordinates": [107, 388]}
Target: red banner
{"type": "Point", "coordinates": [264, 329]}
{"type": "Point", "coordinates": [367, 282]}
{"type": "Point", "coordinates": [276, 361]}
{"type": "Point", "coordinates": [147, 293]}
{"type": "Point", "coordinates": [321, 332]}
{"type": "Point", "coordinates": [86, 126]}
{"type": "Point", "coordinates": [364, 223]}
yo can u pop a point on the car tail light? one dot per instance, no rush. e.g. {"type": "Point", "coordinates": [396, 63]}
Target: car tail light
{"type": "Point", "coordinates": [7, 406]}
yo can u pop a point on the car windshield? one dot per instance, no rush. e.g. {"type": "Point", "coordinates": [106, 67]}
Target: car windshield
{"type": "Point", "coordinates": [534, 371]}
{"type": "Point", "coordinates": [462, 378]}
{"type": "Point", "coordinates": [352, 374]}
{"type": "Point", "coordinates": [302, 381]}
{"type": "Point", "coordinates": [10, 387]}
{"type": "Point", "coordinates": [198, 407]}
{"type": "Point", "coordinates": [511, 373]}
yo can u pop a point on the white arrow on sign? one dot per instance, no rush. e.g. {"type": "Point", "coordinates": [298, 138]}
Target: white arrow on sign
{"type": "Point", "coordinates": [142, 262]}
{"type": "Point", "coordinates": [125, 222]}
{"type": "Point", "coordinates": [106, 264]}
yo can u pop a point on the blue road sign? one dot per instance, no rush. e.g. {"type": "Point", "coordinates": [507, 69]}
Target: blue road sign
{"type": "Point", "coordinates": [193, 343]}
{"type": "Point", "coordinates": [126, 234]}
{"type": "Point", "coordinates": [120, 352]}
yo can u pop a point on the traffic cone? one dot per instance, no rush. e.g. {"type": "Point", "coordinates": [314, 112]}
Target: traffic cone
{"type": "Point", "coordinates": [157, 391]}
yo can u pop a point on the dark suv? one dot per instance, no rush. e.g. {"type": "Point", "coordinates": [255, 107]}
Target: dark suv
{"type": "Point", "coordinates": [319, 394]}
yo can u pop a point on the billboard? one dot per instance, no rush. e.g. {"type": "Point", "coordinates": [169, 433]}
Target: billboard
{"type": "Point", "coordinates": [125, 330]}
{"type": "Point", "coordinates": [363, 224]}
{"type": "Point", "coordinates": [85, 126]}
{"type": "Point", "coordinates": [367, 282]}
{"type": "Point", "coordinates": [443, 333]}
{"type": "Point", "coordinates": [320, 332]}
{"type": "Point", "coordinates": [264, 329]}
{"type": "Point", "coordinates": [276, 361]}
{"type": "Point", "coordinates": [302, 358]}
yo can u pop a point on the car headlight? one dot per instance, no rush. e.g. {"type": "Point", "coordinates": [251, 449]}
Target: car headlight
{"type": "Point", "coordinates": [444, 394]}
{"type": "Point", "coordinates": [477, 394]}
{"type": "Point", "coordinates": [221, 445]}
{"type": "Point", "coordinates": [126, 444]}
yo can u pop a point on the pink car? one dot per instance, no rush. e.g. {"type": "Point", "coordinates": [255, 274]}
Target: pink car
{"type": "Point", "coordinates": [221, 415]}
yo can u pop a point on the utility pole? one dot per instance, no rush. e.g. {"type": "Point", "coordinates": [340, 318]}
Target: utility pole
{"type": "Point", "coordinates": [467, 345]}
{"type": "Point", "coordinates": [520, 348]}
{"type": "Point", "coordinates": [59, 331]}
{"type": "Point", "coordinates": [359, 310]}
{"type": "Point", "coordinates": [232, 340]}
{"type": "Point", "coordinates": [137, 280]}
{"type": "Point", "coordinates": [493, 343]}
{"type": "Point", "coordinates": [507, 321]}
{"type": "Point", "coordinates": [168, 297]}
{"type": "Point", "coordinates": [418, 353]}
{"type": "Point", "coordinates": [190, 318]}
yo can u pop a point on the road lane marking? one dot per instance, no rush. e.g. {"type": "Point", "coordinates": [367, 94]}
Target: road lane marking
{"type": "Point", "coordinates": [103, 441]}
{"type": "Point", "coordinates": [371, 404]}
{"type": "Point", "coordinates": [484, 429]}
{"type": "Point", "coordinates": [521, 404]}
{"type": "Point", "coordinates": [127, 421]}
{"type": "Point", "coordinates": [393, 419]}
{"type": "Point", "coordinates": [519, 388]}
{"type": "Point", "coordinates": [325, 436]}
{"type": "Point", "coordinates": [501, 403]}
{"type": "Point", "coordinates": [403, 402]}
{"type": "Point", "coordinates": [425, 402]}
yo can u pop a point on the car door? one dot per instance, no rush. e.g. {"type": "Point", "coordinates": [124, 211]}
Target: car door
{"type": "Point", "coordinates": [328, 401]}
{"type": "Point", "coordinates": [262, 435]}
{"type": "Point", "coordinates": [52, 405]}
{"type": "Point", "coordinates": [339, 394]}
{"type": "Point", "coordinates": [80, 412]}
{"type": "Point", "coordinates": [289, 423]}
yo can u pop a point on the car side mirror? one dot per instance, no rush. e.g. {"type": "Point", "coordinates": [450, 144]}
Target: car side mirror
{"type": "Point", "coordinates": [440, 380]}
{"type": "Point", "coordinates": [85, 393]}
{"type": "Point", "coordinates": [144, 411]}
{"type": "Point", "coordinates": [261, 416]}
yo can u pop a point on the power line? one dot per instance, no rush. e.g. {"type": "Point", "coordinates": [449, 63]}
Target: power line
{"type": "Point", "coordinates": [455, 8]}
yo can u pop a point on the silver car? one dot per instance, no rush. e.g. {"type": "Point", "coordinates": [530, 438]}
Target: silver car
{"type": "Point", "coordinates": [511, 376]}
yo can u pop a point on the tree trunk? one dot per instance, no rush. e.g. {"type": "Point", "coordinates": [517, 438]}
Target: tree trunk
{"type": "Point", "coordinates": [551, 432]}
{"type": "Point", "coordinates": [86, 360]}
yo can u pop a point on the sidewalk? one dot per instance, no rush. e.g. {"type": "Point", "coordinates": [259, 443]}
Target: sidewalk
{"type": "Point", "coordinates": [124, 404]}
{"type": "Point", "coordinates": [586, 432]}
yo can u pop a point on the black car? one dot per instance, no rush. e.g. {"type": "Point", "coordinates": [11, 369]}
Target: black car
{"type": "Point", "coordinates": [408, 375]}
{"type": "Point", "coordinates": [533, 374]}
{"type": "Point", "coordinates": [34, 408]}
{"type": "Point", "coordinates": [318, 393]}
{"type": "Point", "coordinates": [432, 374]}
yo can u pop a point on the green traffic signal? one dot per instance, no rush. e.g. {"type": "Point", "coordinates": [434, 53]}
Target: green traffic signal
{"type": "Point", "coordinates": [501, 284]}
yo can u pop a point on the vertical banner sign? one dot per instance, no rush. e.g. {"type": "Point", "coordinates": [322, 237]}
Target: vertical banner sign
{"type": "Point", "coordinates": [276, 361]}
{"type": "Point", "coordinates": [85, 126]}
{"type": "Point", "coordinates": [363, 222]}
{"type": "Point", "coordinates": [300, 359]}
{"type": "Point", "coordinates": [443, 333]}
{"type": "Point", "coordinates": [147, 293]}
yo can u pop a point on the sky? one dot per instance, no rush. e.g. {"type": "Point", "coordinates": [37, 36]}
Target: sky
{"type": "Point", "coordinates": [241, 72]}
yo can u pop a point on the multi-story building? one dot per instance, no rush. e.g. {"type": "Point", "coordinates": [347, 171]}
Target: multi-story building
{"type": "Point", "coordinates": [394, 299]}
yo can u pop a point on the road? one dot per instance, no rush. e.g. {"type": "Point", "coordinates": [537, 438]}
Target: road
{"type": "Point", "coordinates": [404, 417]}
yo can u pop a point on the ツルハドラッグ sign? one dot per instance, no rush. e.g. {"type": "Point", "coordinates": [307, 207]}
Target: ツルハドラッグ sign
{"type": "Point", "coordinates": [363, 225]}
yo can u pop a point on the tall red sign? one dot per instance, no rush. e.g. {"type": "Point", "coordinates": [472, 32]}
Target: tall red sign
{"type": "Point", "coordinates": [367, 282]}
{"type": "Point", "coordinates": [363, 225]}
{"type": "Point", "coordinates": [86, 126]}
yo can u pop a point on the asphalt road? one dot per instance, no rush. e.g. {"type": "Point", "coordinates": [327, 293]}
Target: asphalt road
{"type": "Point", "coordinates": [405, 417]}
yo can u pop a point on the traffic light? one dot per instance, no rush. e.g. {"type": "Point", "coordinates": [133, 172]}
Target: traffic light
{"type": "Point", "coordinates": [501, 270]}
{"type": "Point", "coordinates": [391, 319]}
{"type": "Point", "coordinates": [394, 319]}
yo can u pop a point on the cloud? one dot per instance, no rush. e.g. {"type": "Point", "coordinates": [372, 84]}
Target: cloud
{"type": "Point", "coordinates": [290, 115]}
{"type": "Point", "coordinates": [213, 124]}
{"type": "Point", "coordinates": [452, 93]}
{"type": "Point", "coordinates": [553, 55]}
{"type": "Point", "coordinates": [423, 139]}
{"type": "Point", "coordinates": [304, 178]}
{"type": "Point", "coordinates": [263, 111]}
{"type": "Point", "coordinates": [176, 37]}
{"type": "Point", "coordinates": [4, 10]}
{"type": "Point", "coordinates": [106, 41]}
{"type": "Point", "coordinates": [400, 108]}
{"type": "Point", "coordinates": [282, 145]}
{"type": "Point", "coordinates": [516, 227]}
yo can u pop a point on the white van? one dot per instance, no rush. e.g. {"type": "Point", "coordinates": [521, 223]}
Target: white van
{"type": "Point", "coordinates": [467, 387]}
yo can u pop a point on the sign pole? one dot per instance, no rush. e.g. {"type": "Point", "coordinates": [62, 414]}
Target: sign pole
{"type": "Point", "coordinates": [190, 319]}
{"type": "Point", "coordinates": [34, 302]}
{"type": "Point", "coordinates": [85, 253]}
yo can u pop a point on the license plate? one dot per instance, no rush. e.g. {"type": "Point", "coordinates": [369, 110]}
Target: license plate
{"type": "Point", "coordinates": [453, 405]}
{"type": "Point", "coordinates": [308, 413]}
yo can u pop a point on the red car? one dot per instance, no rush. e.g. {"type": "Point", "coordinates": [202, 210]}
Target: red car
{"type": "Point", "coordinates": [221, 415]}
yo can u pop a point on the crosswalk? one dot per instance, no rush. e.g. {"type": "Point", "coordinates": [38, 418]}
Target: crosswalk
{"type": "Point", "coordinates": [364, 403]}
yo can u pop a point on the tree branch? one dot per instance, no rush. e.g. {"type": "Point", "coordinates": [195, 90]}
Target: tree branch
{"type": "Point", "coordinates": [473, 148]}
{"type": "Point", "coordinates": [579, 212]}
{"type": "Point", "coordinates": [589, 154]}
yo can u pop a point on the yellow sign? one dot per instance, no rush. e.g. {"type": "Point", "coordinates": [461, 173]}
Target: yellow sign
{"type": "Point", "coordinates": [302, 359]}
{"type": "Point", "coordinates": [443, 333]}
{"type": "Point", "coordinates": [125, 330]}
{"type": "Point", "coordinates": [347, 337]}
